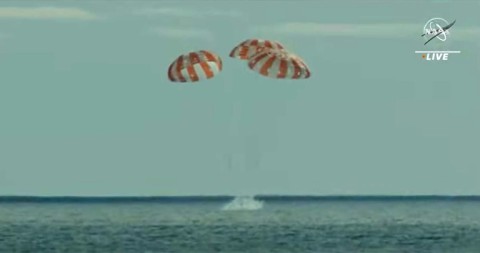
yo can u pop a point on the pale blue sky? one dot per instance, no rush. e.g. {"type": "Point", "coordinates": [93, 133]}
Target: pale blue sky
{"type": "Point", "coordinates": [86, 107]}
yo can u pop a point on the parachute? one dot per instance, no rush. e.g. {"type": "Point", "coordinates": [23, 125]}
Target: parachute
{"type": "Point", "coordinates": [266, 57]}
{"type": "Point", "coordinates": [195, 66]}
{"type": "Point", "coordinates": [250, 47]}
{"type": "Point", "coordinates": [279, 64]}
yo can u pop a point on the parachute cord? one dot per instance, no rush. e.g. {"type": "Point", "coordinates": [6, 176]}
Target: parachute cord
{"type": "Point", "coordinates": [229, 93]}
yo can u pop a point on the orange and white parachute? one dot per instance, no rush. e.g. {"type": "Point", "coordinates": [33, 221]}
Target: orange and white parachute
{"type": "Point", "coordinates": [279, 64]}
{"type": "Point", "coordinates": [195, 66]}
{"type": "Point", "coordinates": [250, 47]}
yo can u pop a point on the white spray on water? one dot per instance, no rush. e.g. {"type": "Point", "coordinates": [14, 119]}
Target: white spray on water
{"type": "Point", "coordinates": [243, 203]}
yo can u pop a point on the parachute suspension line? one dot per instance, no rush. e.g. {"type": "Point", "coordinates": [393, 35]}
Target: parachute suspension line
{"type": "Point", "coordinates": [234, 106]}
{"type": "Point", "coordinates": [232, 110]}
{"type": "Point", "coordinates": [228, 90]}
{"type": "Point", "coordinates": [249, 143]}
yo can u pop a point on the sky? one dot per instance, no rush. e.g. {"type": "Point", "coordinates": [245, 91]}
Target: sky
{"type": "Point", "coordinates": [86, 107]}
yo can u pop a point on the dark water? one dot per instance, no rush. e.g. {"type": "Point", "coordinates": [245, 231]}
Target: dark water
{"type": "Point", "coordinates": [200, 225]}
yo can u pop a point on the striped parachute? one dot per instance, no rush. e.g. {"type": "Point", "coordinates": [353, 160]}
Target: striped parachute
{"type": "Point", "coordinates": [279, 64]}
{"type": "Point", "coordinates": [195, 66]}
{"type": "Point", "coordinates": [250, 47]}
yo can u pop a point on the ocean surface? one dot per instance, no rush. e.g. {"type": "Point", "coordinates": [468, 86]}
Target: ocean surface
{"type": "Point", "coordinates": [224, 224]}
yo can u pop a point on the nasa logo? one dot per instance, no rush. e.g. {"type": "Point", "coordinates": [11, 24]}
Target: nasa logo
{"type": "Point", "coordinates": [436, 28]}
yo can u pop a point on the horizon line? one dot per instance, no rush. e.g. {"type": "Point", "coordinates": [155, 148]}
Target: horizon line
{"type": "Point", "coordinates": [236, 195]}
{"type": "Point", "coordinates": [197, 198]}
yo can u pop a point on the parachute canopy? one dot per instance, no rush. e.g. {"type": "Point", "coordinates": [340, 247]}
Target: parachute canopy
{"type": "Point", "coordinates": [279, 64]}
{"type": "Point", "coordinates": [195, 66]}
{"type": "Point", "coordinates": [250, 47]}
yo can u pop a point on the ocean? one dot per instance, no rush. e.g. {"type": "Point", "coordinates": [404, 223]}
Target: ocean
{"type": "Point", "coordinates": [219, 224]}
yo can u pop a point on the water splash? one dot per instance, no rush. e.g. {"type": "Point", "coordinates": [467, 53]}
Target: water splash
{"type": "Point", "coordinates": [243, 203]}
